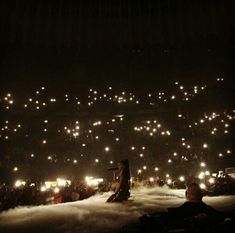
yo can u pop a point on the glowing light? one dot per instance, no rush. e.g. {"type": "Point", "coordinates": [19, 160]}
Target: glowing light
{"type": "Point", "coordinates": [63, 182]}
{"type": "Point", "coordinates": [169, 181]}
{"type": "Point", "coordinates": [91, 181]}
{"type": "Point", "coordinates": [107, 149]}
{"type": "Point", "coordinates": [151, 179]}
{"type": "Point", "coordinates": [211, 180]}
{"type": "Point", "coordinates": [181, 178]}
{"type": "Point", "coordinates": [203, 164]}
{"type": "Point", "coordinates": [168, 132]}
{"type": "Point", "coordinates": [43, 189]}
{"type": "Point", "coordinates": [15, 169]}
{"type": "Point", "coordinates": [205, 145]}
{"type": "Point", "coordinates": [202, 186]}
{"type": "Point", "coordinates": [19, 183]}
{"type": "Point", "coordinates": [207, 173]}
{"type": "Point", "coordinates": [201, 175]}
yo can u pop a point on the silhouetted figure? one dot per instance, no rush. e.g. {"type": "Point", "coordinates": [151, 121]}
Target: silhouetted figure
{"type": "Point", "coordinates": [193, 216]}
{"type": "Point", "coordinates": [122, 180]}
{"type": "Point", "coordinates": [194, 204]}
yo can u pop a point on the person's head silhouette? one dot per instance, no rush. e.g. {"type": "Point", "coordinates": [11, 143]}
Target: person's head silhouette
{"type": "Point", "coordinates": [193, 193]}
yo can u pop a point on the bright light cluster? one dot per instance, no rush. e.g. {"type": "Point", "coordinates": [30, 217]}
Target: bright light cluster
{"type": "Point", "coordinates": [155, 130]}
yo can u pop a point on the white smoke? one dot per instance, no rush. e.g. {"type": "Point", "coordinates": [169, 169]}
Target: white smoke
{"type": "Point", "coordinates": [95, 215]}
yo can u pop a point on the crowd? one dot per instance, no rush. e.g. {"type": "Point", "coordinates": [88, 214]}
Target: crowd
{"type": "Point", "coordinates": [32, 194]}
{"type": "Point", "coordinates": [171, 130]}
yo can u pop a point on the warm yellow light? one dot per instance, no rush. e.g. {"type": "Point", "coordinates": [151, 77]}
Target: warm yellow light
{"type": "Point", "coordinates": [181, 178]}
{"type": "Point", "coordinates": [201, 175]}
{"type": "Point", "coordinates": [151, 179]}
{"type": "Point", "coordinates": [203, 164]}
{"type": "Point", "coordinates": [202, 186]}
{"type": "Point", "coordinates": [169, 181]}
{"type": "Point", "coordinates": [211, 180]}
{"type": "Point", "coordinates": [107, 149]}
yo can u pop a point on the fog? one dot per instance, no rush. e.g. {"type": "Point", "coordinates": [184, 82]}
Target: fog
{"type": "Point", "coordinates": [95, 215]}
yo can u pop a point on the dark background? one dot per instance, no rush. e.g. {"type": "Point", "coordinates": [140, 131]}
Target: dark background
{"type": "Point", "coordinates": [133, 42]}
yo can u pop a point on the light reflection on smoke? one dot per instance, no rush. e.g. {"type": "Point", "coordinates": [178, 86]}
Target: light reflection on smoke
{"type": "Point", "coordinates": [94, 215]}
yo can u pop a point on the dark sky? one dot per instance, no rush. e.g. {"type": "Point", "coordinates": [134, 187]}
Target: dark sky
{"type": "Point", "coordinates": [93, 41]}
